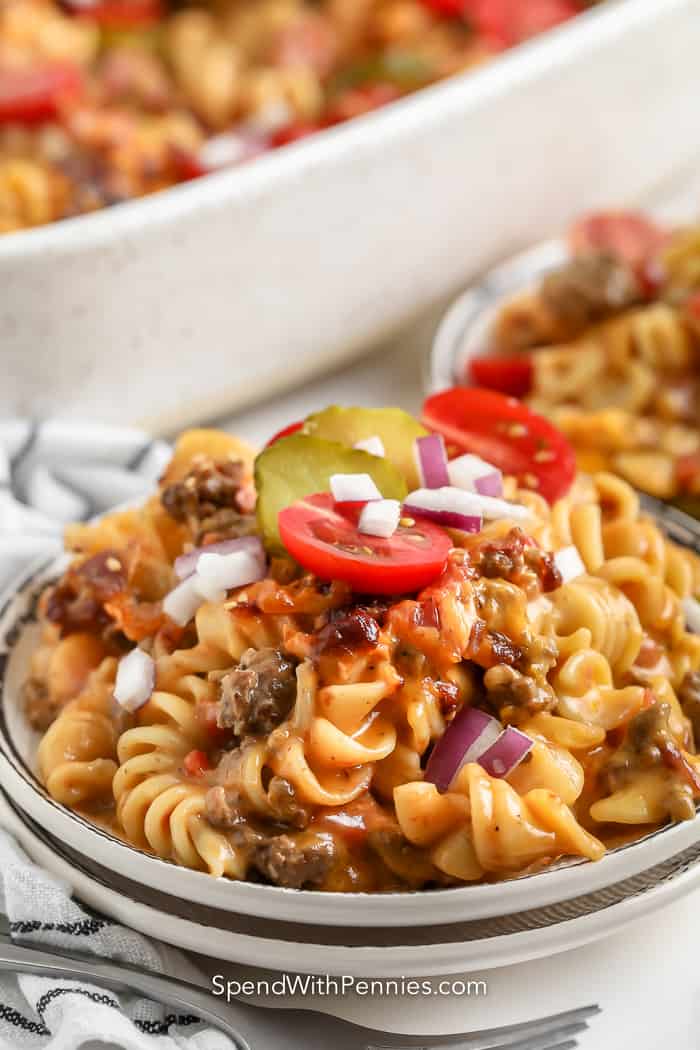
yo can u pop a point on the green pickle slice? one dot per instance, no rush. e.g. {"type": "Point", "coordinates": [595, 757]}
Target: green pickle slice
{"type": "Point", "coordinates": [396, 428]}
{"type": "Point", "coordinates": [301, 465]}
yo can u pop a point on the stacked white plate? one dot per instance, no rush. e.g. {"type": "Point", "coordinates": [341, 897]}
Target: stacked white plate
{"type": "Point", "coordinates": [390, 934]}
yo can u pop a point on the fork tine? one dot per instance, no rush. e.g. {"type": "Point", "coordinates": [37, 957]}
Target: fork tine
{"type": "Point", "coordinates": [511, 1036]}
{"type": "Point", "coordinates": [548, 1041]}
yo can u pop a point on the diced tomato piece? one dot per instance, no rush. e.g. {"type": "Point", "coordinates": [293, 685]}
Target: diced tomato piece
{"type": "Point", "coordinates": [196, 763]}
{"type": "Point", "coordinates": [631, 236]}
{"type": "Point", "coordinates": [446, 8]}
{"type": "Point", "coordinates": [35, 95]}
{"type": "Point", "coordinates": [359, 100]}
{"type": "Point", "coordinates": [295, 132]}
{"type": "Point", "coordinates": [187, 164]}
{"type": "Point", "coordinates": [119, 14]}
{"type": "Point", "coordinates": [508, 434]}
{"type": "Point", "coordinates": [508, 375]}
{"type": "Point", "coordinates": [513, 21]}
{"type": "Point", "coordinates": [688, 472]}
{"type": "Point", "coordinates": [328, 544]}
{"type": "Point", "coordinates": [291, 428]}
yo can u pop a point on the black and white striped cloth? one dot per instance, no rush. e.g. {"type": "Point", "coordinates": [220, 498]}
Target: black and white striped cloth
{"type": "Point", "coordinates": [59, 471]}
{"type": "Point", "coordinates": [40, 1013]}
{"type": "Point", "coordinates": [52, 473]}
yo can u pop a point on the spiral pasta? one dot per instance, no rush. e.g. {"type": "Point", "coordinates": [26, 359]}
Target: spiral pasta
{"type": "Point", "coordinates": [614, 362]}
{"type": "Point", "coordinates": [289, 726]}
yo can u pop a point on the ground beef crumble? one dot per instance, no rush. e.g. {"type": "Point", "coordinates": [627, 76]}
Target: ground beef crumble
{"type": "Point", "coordinates": [689, 696]}
{"type": "Point", "coordinates": [514, 696]}
{"type": "Point", "coordinates": [589, 288]}
{"type": "Point", "coordinates": [39, 708]}
{"type": "Point", "coordinates": [517, 559]}
{"type": "Point", "coordinates": [76, 602]}
{"type": "Point", "coordinates": [648, 744]}
{"type": "Point", "coordinates": [257, 695]}
{"type": "Point", "coordinates": [285, 861]}
{"type": "Point", "coordinates": [212, 500]}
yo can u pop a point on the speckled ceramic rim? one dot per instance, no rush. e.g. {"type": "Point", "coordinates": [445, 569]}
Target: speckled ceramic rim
{"type": "Point", "coordinates": [561, 882]}
{"type": "Point", "coordinates": [460, 333]}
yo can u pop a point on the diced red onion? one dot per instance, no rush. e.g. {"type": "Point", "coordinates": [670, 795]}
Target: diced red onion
{"type": "Point", "coordinates": [374, 445]}
{"type": "Point", "coordinates": [380, 517]}
{"type": "Point", "coordinates": [183, 601]}
{"type": "Point", "coordinates": [218, 573]}
{"type": "Point", "coordinates": [503, 756]}
{"type": "Point", "coordinates": [186, 564]}
{"type": "Point", "coordinates": [431, 461]}
{"type": "Point", "coordinates": [691, 608]}
{"type": "Point", "coordinates": [353, 488]}
{"type": "Point", "coordinates": [467, 737]}
{"type": "Point", "coordinates": [447, 518]}
{"type": "Point", "coordinates": [568, 562]}
{"type": "Point", "coordinates": [474, 474]}
{"type": "Point", "coordinates": [469, 504]}
{"type": "Point", "coordinates": [135, 681]}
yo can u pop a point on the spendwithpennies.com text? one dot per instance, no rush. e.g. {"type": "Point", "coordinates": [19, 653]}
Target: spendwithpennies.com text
{"type": "Point", "coordinates": [309, 985]}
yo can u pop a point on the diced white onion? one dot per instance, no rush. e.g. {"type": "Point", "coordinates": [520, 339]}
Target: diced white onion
{"type": "Point", "coordinates": [353, 488]}
{"type": "Point", "coordinates": [568, 562]}
{"type": "Point", "coordinates": [186, 564]}
{"type": "Point", "coordinates": [373, 445]}
{"type": "Point", "coordinates": [457, 501]}
{"type": "Point", "coordinates": [474, 474]}
{"type": "Point", "coordinates": [691, 608]}
{"type": "Point", "coordinates": [218, 573]}
{"type": "Point", "coordinates": [227, 149]}
{"type": "Point", "coordinates": [270, 117]}
{"type": "Point", "coordinates": [380, 518]}
{"type": "Point", "coordinates": [182, 602]}
{"type": "Point", "coordinates": [135, 680]}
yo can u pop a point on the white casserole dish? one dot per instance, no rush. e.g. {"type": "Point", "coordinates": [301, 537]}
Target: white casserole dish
{"type": "Point", "coordinates": [203, 298]}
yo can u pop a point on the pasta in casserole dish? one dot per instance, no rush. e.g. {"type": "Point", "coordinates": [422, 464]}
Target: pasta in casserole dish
{"type": "Point", "coordinates": [369, 660]}
{"type": "Point", "coordinates": [102, 101]}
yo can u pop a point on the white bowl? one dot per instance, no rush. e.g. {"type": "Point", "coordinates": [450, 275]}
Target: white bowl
{"type": "Point", "coordinates": [361, 952]}
{"type": "Point", "coordinates": [463, 332]}
{"type": "Point", "coordinates": [193, 302]}
{"type": "Point", "coordinates": [573, 881]}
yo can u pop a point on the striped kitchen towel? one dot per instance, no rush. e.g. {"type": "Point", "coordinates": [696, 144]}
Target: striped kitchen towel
{"type": "Point", "coordinates": [52, 1014]}
{"type": "Point", "coordinates": [59, 471]}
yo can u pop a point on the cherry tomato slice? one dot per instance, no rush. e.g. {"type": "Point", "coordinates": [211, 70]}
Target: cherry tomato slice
{"type": "Point", "coordinates": [508, 375]}
{"type": "Point", "coordinates": [196, 763]}
{"type": "Point", "coordinates": [119, 14]}
{"type": "Point", "coordinates": [35, 95]}
{"type": "Point", "coordinates": [285, 432]}
{"type": "Point", "coordinates": [506, 433]}
{"type": "Point", "coordinates": [628, 234]}
{"type": "Point", "coordinates": [328, 544]}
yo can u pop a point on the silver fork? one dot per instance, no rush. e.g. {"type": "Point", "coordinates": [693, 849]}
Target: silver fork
{"type": "Point", "coordinates": [257, 1028]}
